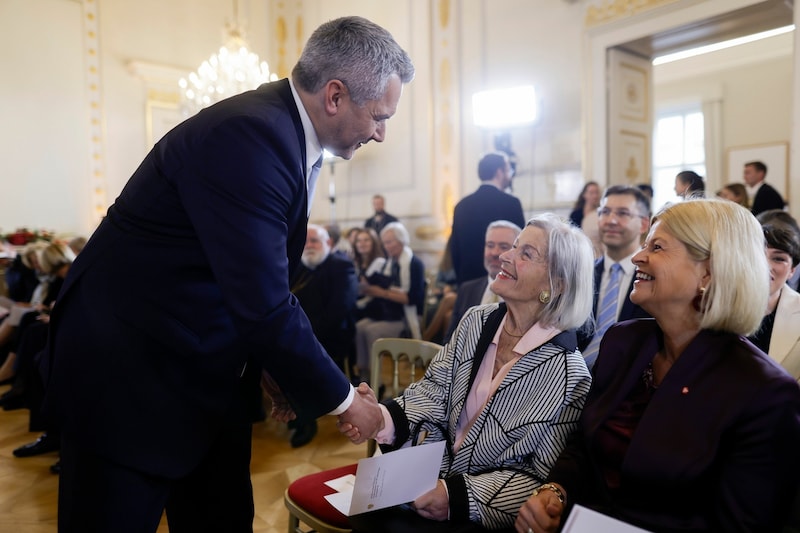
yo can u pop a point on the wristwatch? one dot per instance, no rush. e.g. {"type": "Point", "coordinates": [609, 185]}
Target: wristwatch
{"type": "Point", "coordinates": [554, 489]}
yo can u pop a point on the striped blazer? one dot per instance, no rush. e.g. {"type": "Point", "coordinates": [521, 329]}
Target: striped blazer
{"type": "Point", "coordinates": [516, 439]}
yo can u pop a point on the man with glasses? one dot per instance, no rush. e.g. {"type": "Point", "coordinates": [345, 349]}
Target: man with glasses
{"type": "Point", "coordinates": [474, 212]}
{"type": "Point", "coordinates": [623, 218]}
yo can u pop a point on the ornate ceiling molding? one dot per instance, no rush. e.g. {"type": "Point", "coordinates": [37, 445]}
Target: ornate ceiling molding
{"type": "Point", "coordinates": [613, 10]}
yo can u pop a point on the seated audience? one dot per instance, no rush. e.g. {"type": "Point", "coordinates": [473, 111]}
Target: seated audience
{"type": "Point", "coordinates": [584, 214]}
{"type": "Point", "coordinates": [778, 334]}
{"type": "Point", "coordinates": [397, 293]}
{"type": "Point", "coordinates": [735, 192]}
{"type": "Point", "coordinates": [685, 416]}
{"type": "Point", "coordinates": [508, 389]}
{"type": "Point", "coordinates": [22, 275]}
{"type": "Point", "coordinates": [325, 285]}
{"type": "Point", "coordinates": [52, 262]}
{"type": "Point", "coordinates": [689, 184]}
{"type": "Point", "coordinates": [500, 237]}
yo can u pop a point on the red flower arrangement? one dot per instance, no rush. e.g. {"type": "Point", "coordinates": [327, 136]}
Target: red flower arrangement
{"type": "Point", "coordinates": [23, 236]}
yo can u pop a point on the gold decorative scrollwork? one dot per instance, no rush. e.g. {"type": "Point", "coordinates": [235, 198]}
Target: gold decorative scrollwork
{"type": "Point", "coordinates": [611, 10]}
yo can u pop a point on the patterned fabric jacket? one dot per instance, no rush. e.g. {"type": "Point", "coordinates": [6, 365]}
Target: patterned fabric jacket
{"type": "Point", "coordinates": [518, 436]}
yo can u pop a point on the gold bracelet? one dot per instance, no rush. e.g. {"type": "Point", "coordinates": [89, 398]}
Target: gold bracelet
{"type": "Point", "coordinates": [554, 489]}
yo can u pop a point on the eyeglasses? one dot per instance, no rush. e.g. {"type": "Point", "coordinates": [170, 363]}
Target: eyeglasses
{"type": "Point", "coordinates": [620, 214]}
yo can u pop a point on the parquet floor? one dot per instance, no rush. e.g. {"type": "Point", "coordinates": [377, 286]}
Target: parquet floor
{"type": "Point", "coordinates": [28, 491]}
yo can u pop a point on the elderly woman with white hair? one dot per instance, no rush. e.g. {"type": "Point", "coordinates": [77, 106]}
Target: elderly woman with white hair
{"type": "Point", "coordinates": [506, 391]}
{"type": "Point", "coordinates": [397, 294]}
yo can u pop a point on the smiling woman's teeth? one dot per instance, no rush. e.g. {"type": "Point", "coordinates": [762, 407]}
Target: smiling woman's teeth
{"type": "Point", "coordinates": [643, 276]}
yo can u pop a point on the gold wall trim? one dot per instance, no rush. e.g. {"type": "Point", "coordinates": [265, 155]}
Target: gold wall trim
{"type": "Point", "coordinates": [97, 160]}
{"type": "Point", "coordinates": [612, 10]}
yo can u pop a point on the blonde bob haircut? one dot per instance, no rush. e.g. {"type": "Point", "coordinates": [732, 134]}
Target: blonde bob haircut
{"type": "Point", "coordinates": [730, 237]}
{"type": "Point", "coordinates": [570, 264]}
{"type": "Point", "coordinates": [54, 256]}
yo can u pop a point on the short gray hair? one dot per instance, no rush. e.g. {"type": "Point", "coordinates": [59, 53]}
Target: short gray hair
{"type": "Point", "coordinates": [570, 262]}
{"type": "Point", "coordinates": [504, 224]}
{"type": "Point", "coordinates": [356, 51]}
{"type": "Point", "coordinates": [322, 232]}
{"type": "Point", "coordinates": [400, 232]}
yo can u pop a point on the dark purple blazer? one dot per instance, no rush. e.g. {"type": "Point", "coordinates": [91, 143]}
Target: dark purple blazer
{"type": "Point", "coordinates": [716, 448]}
{"type": "Point", "coordinates": [184, 281]}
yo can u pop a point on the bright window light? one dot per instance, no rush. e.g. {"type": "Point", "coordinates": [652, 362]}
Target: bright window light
{"type": "Point", "coordinates": [669, 58]}
{"type": "Point", "coordinates": [505, 107]}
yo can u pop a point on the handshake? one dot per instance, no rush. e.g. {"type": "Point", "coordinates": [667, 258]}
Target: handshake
{"type": "Point", "coordinates": [362, 420]}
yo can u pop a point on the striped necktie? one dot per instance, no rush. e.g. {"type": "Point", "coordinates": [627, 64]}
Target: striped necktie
{"type": "Point", "coordinates": [607, 314]}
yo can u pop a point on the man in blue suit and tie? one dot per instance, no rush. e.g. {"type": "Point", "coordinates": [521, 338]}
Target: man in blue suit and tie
{"type": "Point", "coordinates": [182, 293]}
{"type": "Point", "coordinates": [623, 219]}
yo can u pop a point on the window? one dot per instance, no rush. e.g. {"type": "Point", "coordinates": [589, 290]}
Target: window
{"type": "Point", "coordinates": [678, 145]}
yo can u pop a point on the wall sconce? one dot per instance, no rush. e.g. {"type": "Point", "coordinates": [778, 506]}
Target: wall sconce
{"type": "Point", "coordinates": [502, 109]}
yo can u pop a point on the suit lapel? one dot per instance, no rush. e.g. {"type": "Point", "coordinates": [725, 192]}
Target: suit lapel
{"type": "Point", "coordinates": [784, 330]}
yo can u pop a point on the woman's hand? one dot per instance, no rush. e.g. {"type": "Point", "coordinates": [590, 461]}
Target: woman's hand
{"type": "Point", "coordinates": [540, 514]}
{"type": "Point", "coordinates": [434, 504]}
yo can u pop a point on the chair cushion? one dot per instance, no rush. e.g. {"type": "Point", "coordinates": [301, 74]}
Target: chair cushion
{"type": "Point", "coordinates": [309, 493]}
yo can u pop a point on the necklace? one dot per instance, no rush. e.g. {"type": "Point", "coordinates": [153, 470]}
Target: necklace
{"type": "Point", "coordinates": [511, 334]}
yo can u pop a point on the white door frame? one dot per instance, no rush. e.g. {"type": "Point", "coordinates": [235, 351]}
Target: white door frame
{"type": "Point", "coordinates": [616, 32]}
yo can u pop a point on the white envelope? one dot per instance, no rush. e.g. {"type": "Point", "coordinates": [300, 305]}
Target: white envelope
{"type": "Point", "coordinates": [389, 479]}
{"type": "Point", "coordinates": [583, 520]}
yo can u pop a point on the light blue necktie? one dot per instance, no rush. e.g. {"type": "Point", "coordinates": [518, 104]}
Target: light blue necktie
{"type": "Point", "coordinates": [607, 315]}
{"type": "Point", "coordinates": [312, 182]}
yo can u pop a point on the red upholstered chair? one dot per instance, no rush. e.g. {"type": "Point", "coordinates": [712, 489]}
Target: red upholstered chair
{"type": "Point", "coordinates": [305, 499]}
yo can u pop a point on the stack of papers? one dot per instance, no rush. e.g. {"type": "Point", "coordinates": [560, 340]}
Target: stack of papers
{"type": "Point", "coordinates": [583, 520]}
{"type": "Point", "coordinates": [387, 480]}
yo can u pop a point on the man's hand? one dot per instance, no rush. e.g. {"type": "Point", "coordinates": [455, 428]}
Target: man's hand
{"type": "Point", "coordinates": [281, 409]}
{"type": "Point", "coordinates": [363, 419]}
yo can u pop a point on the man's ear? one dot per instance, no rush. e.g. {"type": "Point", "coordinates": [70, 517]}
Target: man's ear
{"type": "Point", "coordinates": [335, 91]}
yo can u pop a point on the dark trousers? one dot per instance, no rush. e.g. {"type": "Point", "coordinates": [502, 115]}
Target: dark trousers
{"type": "Point", "coordinates": [97, 495]}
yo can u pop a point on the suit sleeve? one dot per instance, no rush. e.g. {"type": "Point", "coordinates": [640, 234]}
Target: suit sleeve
{"type": "Point", "coordinates": [242, 197]}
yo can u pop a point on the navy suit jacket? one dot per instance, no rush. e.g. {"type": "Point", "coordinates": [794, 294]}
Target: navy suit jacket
{"type": "Point", "coordinates": [725, 419]}
{"type": "Point", "coordinates": [767, 198]}
{"type": "Point", "coordinates": [184, 281]}
{"type": "Point", "coordinates": [468, 294]}
{"type": "Point", "coordinates": [628, 311]}
{"type": "Point", "coordinates": [471, 216]}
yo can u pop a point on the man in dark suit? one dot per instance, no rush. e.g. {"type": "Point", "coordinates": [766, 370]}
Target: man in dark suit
{"type": "Point", "coordinates": [381, 218]}
{"type": "Point", "coordinates": [763, 195]}
{"type": "Point", "coordinates": [500, 237]}
{"type": "Point", "coordinates": [623, 219]}
{"type": "Point", "coordinates": [182, 295]}
{"type": "Point", "coordinates": [326, 286]}
{"type": "Point", "coordinates": [474, 212]}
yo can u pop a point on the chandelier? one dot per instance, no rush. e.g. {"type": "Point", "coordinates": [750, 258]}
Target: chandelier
{"type": "Point", "coordinates": [232, 70]}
